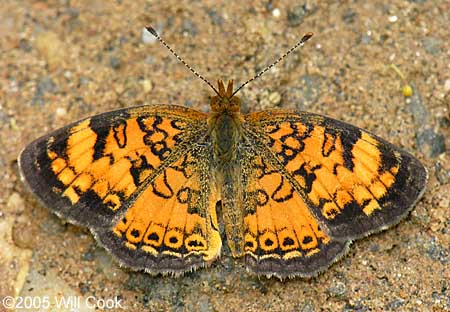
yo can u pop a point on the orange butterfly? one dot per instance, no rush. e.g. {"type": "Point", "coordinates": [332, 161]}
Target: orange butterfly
{"type": "Point", "coordinates": [295, 188]}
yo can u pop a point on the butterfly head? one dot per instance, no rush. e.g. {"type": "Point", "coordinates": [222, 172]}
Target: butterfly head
{"type": "Point", "coordinates": [225, 101]}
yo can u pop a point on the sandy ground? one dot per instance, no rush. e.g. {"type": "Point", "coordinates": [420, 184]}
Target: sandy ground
{"type": "Point", "coordinates": [62, 60]}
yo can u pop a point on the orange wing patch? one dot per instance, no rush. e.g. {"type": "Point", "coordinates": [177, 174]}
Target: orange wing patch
{"type": "Point", "coordinates": [114, 163]}
{"type": "Point", "coordinates": [171, 221]}
{"type": "Point", "coordinates": [282, 237]}
{"type": "Point", "coordinates": [353, 182]}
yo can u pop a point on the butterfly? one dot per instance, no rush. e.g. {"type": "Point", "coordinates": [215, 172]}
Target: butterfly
{"type": "Point", "coordinates": [294, 188]}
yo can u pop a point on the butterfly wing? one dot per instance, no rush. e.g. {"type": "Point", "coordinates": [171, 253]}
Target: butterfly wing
{"type": "Point", "coordinates": [312, 184]}
{"type": "Point", "coordinates": [172, 226]}
{"type": "Point", "coordinates": [353, 182]}
{"type": "Point", "coordinates": [281, 236]}
{"type": "Point", "coordinates": [137, 179]}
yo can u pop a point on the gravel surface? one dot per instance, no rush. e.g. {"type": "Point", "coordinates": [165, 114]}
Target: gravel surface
{"type": "Point", "coordinates": [63, 60]}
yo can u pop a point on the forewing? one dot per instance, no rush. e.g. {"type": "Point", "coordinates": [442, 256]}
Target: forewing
{"type": "Point", "coordinates": [353, 182]}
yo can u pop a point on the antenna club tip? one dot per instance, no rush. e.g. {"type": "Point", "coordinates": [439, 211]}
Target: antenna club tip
{"type": "Point", "coordinates": [307, 36]}
{"type": "Point", "coordinates": [151, 30]}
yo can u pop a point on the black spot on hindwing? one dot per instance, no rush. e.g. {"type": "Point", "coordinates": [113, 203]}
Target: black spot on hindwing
{"type": "Point", "coordinates": [164, 191]}
{"type": "Point", "coordinates": [308, 175]}
{"type": "Point", "coordinates": [277, 196]}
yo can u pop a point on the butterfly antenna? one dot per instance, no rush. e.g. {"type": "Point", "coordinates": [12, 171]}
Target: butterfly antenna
{"type": "Point", "coordinates": [298, 44]}
{"type": "Point", "coordinates": [155, 34]}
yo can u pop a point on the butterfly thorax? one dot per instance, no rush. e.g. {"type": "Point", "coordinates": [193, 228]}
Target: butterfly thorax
{"type": "Point", "coordinates": [224, 124]}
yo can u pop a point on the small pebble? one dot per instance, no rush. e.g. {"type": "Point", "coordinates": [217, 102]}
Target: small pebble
{"type": "Point", "coordinates": [430, 143]}
{"type": "Point", "coordinates": [393, 18]}
{"type": "Point", "coordinates": [52, 225]}
{"type": "Point", "coordinates": [83, 80]}
{"type": "Point", "coordinates": [297, 14]}
{"type": "Point", "coordinates": [437, 252]}
{"type": "Point", "coordinates": [276, 12]}
{"type": "Point", "coordinates": [13, 86]}
{"type": "Point", "coordinates": [349, 16]}
{"type": "Point", "coordinates": [418, 108]}
{"type": "Point", "coordinates": [308, 306]}
{"type": "Point", "coordinates": [15, 202]}
{"type": "Point", "coordinates": [432, 45]}
{"type": "Point", "coordinates": [115, 62]}
{"type": "Point", "coordinates": [46, 85]}
{"type": "Point", "coordinates": [60, 112]}
{"type": "Point", "coordinates": [147, 85]}
{"type": "Point", "coordinates": [365, 39]}
{"type": "Point", "coordinates": [395, 304]}
{"type": "Point", "coordinates": [25, 45]}
{"type": "Point", "coordinates": [447, 85]}
{"type": "Point", "coordinates": [204, 304]}
{"type": "Point", "coordinates": [442, 173]}
{"type": "Point", "coordinates": [88, 256]}
{"type": "Point", "coordinates": [275, 98]}
{"type": "Point", "coordinates": [51, 48]}
{"type": "Point", "coordinates": [188, 28]}
{"type": "Point", "coordinates": [23, 234]}
{"type": "Point", "coordinates": [147, 37]}
{"type": "Point", "coordinates": [84, 288]}
{"type": "Point", "coordinates": [309, 89]}
{"type": "Point", "coordinates": [338, 289]}
{"type": "Point", "coordinates": [67, 74]}
{"type": "Point", "coordinates": [216, 19]}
